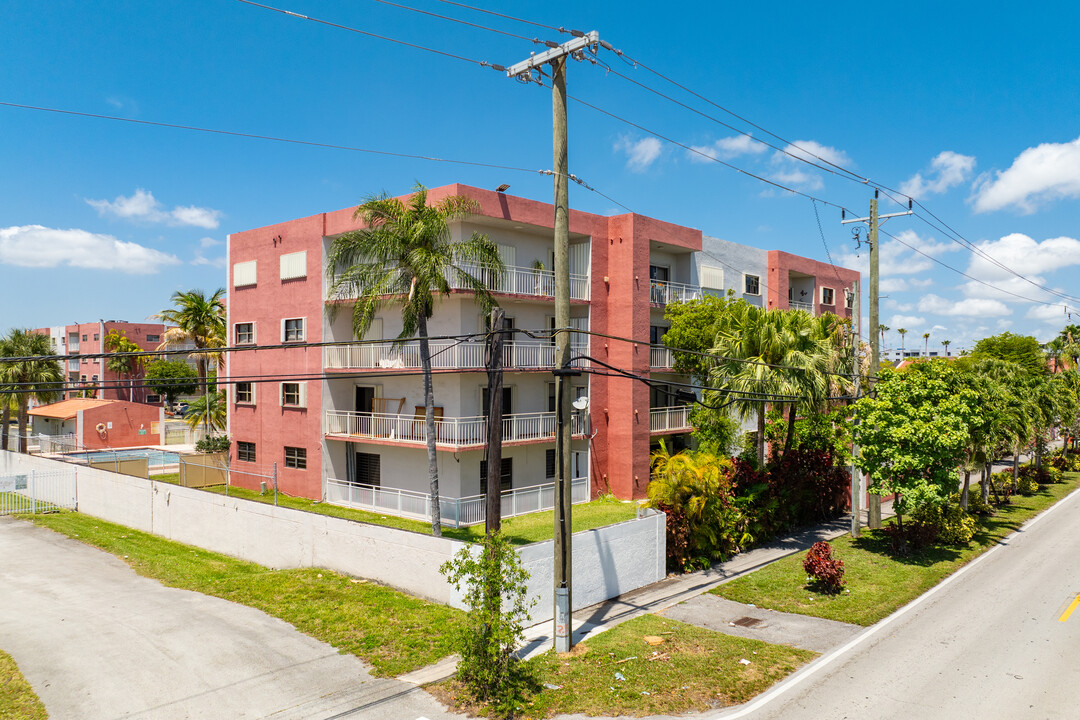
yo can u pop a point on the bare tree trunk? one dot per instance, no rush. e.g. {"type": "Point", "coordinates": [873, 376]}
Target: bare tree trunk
{"type": "Point", "coordinates": [5, 429]}
{"type": "Point", "coordinates": [966, 490]}
{"type": "Point", "coordinates": [23, 416]}
{"type": "Point", "coordinates": [985, 482]}
{"type": "Point", "coordinates": [429, 424]}
{"type": "Point", "coordinates": [790, 429]}
{"type": "Point", "coordinates": [761, 436]}
{"type": "Point", "coordinates": [1016, 463]}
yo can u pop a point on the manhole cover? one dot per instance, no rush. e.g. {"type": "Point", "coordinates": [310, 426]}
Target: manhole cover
{"type": "Point", "coordinates": [748, 622]}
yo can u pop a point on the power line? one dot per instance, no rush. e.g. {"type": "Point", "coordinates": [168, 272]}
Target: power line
{"type": "Point", "coordinates": [461, 22]}
{"type": "Point", "coordinates": [576, 33]}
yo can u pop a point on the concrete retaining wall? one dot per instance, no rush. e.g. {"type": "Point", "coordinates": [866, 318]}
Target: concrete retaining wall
{"type": "Point", "coordinates": [607, 561]}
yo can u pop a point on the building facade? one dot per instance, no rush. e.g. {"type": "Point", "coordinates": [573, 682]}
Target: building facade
{"type": "Point", "coordinates": [93, 374]}
{"type": "Point", "coordinates": [335, 416]}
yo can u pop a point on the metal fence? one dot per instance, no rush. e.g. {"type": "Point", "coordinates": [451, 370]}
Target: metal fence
{"type": "Point", "coordinates": [455, 512]}
{"type": "Point", "coordinates": [36, 491]}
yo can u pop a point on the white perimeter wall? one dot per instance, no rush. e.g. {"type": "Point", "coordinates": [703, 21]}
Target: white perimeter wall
{"type": "Point", "coordinates": [607, 561]}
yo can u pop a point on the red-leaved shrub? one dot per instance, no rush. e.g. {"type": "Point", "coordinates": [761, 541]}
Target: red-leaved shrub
{"type": "Point", "coordinates": [826, 570]}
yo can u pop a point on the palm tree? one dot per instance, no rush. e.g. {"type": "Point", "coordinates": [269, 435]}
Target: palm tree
{"type": "Point", "coordinates": [200, 322]}
{"type": "Point", "coordinates": [926, 344]}
{"type": "Point", "coordinates": [405, 254]}
{"type": "Point", "coordinates": [902, 332]}
{"type": "Point", "coordinates": [123, 364]}
{"type": "Point", "coordinates": [883, 329]}
{"type": "Point", "coordinates": [209, 411]}
{"type": "Point", "coordinates": [28, 377]}
{"type": "Point", "coordinates": [946, 343]}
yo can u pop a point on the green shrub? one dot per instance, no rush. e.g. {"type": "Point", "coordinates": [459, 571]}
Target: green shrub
{"type": "Point", "coordinates": [951, 524]}
{"type": "Point", "coordinates": [1027, 485]}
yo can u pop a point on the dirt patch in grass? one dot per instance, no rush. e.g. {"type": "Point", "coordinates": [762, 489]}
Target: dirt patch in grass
{"type": "Point", "coordinates": [619, 673]}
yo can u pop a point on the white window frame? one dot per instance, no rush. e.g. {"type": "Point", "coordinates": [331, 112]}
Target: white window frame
{"type": "Point", "coordinates": [831, 302]}
{"type": "Point", "coordinates": [293, 266]}
{"type": "Point", "coordinates": [747, 292]}
{"type": "Point", "coordinates": [711, 277]}
{"type": "Point", "coordinates": [301, 395]}
{"type": "Point", "coordinates": [236, 339]}
{"type": "Point", "coordinates": [285, 454]}
{"type": "Point", "coordinates": [303, 330]}
{"type": "Point", "coordinates": [236, 393]}
{"type": "Point", "coordinates": [245, 274]}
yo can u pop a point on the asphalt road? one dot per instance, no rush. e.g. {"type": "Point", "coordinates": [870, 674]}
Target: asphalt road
{"type": "Point", "coordinates": [991, 642]}
{"type": "Point", "coordinates": [96, 641]}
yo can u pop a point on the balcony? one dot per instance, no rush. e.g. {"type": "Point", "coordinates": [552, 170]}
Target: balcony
{"type": "Point", "coordinates": [661, 358]}
{"type": "Point", "coordinates": [670, 419]}
{"type": "Point", "coordinates": [450, 433]}
{"type": "Point", "coordinates": [445, 355]}
{"type": "Point", "coordinates": [665, 293]}
{"type": "Point", "coordinates": [515, 280]}
{"type": "Point", "coordinates": [455, 512]}
{"type": "Point", "coordinates": [796, 305]}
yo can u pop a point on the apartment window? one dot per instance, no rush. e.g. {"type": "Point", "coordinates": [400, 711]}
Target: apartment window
{"type": "Point", "coordinates": [828, 296]}
{"type": "Point", "coordinates": [752, 284]}
{"type": "Point", "coordinates": [153, 338]}
{"type": "Point", "coordinates": [549, 464]}
{"type": "Point", "coordinates": [245, 451]}
{"type": "Point", "coordinates": [294, 265]}
{"type": "Point", "coordinates": [296, 457]}
{"type": "Point", "coordinates": [84, 338]}
{"type": "Point", "coordinates": [96, 336]}
{"type": "Point", "coordinates": [245, 334]}
{"type": "Point", "coordinates": [368, 470]}
{"type": "Point", "coordinates": [245, 393]}
{"type": "Point", "coordinates": [292, 330]}
{"type": "Point", "coordinates": [153, 398]}
{"type": "Point", "coordinates": [506, 475]}
{"type": "Point", "coordinates": [294, 394]}
{"type": "Point", "coordinates": [244, 273]}
{"type": "Point", "coordinates": [849, 299]}
{"type": "Point", "coordinates": [94, 378]}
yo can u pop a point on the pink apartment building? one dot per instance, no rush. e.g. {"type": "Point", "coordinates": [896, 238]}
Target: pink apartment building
{"type": "Point", "coordinates": [94, 373]}
{"type": "Point", "coordinates": [343, 422]}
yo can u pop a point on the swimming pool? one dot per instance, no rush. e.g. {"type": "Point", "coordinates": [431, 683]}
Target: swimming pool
{"type": "Point", "coordinates": [156, 458]}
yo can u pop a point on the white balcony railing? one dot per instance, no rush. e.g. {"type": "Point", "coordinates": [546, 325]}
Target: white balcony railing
{"type": "Point", "coordinates": [665, 293]}
{"type": "Point", "coordinates": [516, 280]}
{"type": "Point", "coordinates": [660, 358]}
{"type": "Point", "coordinates": [796, 305]}
{"type": "Point", "coordinates": [669, 419]}
{"type": "Point", "coordinates": [445, 355]}
{"type": "Point", "coordinates": [455, 512]}
{"type": "Point", "coordinates": [453, 432]}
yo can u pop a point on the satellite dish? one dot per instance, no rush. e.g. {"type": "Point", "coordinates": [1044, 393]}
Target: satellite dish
{"type": "Point", "coordinates": [582, 403]}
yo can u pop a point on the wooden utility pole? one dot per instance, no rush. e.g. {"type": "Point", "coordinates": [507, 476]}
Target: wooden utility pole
{"type": "Point", "coordinates": [856, 365]}
{"type": "Point", "coordinates": [874, 220]}
{"type": "Point", "coordinates": [493, 362]}
{"type": "Point", "coordinates": [557, 57]}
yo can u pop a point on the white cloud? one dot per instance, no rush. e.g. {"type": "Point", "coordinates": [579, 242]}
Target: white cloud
{"type": "Point", "coordinates": [968, 307]}
{"type": "Point", "coordinates": [906, 321]}
{"type": "Point", "coordinates": [948, 169]}
{"type": "Point", "coordinates": [143, 206]}
{"type": "Point", "coordinates": [889, 285]}
{"type": "Point", "coordinates": [797, 175]}
{"type": "Point", "coordinates": [1050, 313]}
{"type": "Point", "coordinates": [42, 247]}
{"type": "Point", "coordinates": [641, 153]}
{"type": "Point", "coordinates": [1038, 175]}
{"type": "Point", "coordinates": [200, 259]}
{"type": "Point", "coordinates": [921, 283]}
{"type": "Point", "coordinates": [808, 149]}
{"type": "Point", "coordinates": [1024, 255]}
{"type": "Point", "coordinates": [900, 257]}
{"type": "Point", "coordinates": [726, 148]}
{"type": "Point", "coordinates": [208, 242]}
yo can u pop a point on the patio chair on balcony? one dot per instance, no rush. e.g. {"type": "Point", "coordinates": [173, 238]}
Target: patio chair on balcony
{"type": "Point", "coordinates": [417, 430]}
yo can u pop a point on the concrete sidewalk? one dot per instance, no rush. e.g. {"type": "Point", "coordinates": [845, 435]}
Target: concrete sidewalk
{"type": "Point", "coordinates": [95, 640]}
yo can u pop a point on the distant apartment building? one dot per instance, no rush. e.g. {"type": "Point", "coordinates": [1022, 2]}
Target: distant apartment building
{"type": "Point", "coordinates": [344, 421]}
{"type": "Point", "coordinates": [93, 374]}
{"type": "Point", "coordinates": [896, 355]}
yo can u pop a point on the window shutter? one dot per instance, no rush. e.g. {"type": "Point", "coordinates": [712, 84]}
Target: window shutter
{"type": "Point", "coordinates": [303, 394]}
{"type": "Point", "coordinates": [294, 265]}
{"type": "Point", "coordinates": [244, 273]}
{"type": "Point", "coordinates": [282, 330]}
{"type": "Point", "coordinates": [281, 394]}
{"type": "Point", "coordinates": [711, 277]}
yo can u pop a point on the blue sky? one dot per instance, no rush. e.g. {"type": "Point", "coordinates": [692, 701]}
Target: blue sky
{"type": "Point", "coordinates": [969, 107]}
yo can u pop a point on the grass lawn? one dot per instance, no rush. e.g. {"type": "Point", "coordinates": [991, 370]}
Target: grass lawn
{"type": "Point", "coordinates": [877, 582]}
{"type": "Point", "coordinates": [520, 530]}
{"type": "Point", "coordinates": [693, 670]}
{"type": "Point", "coordinates": [390, 630]}
{"type": "Point", "coordinates": [17, 699]}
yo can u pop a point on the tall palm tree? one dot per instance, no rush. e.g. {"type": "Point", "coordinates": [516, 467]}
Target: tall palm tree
{"type": "Point", "coordinates": [123, 364]}
{"type": "Point", "coordinates": [200, 323]}
{"type": "Point", "coordinates": [883, 329]}
{"type": "Point", "coordinates": [209, 410]}
{"type": "Point", "coordinates": [902, 332]}
{"type": "Point", "coordinates": [30, 376]}
{"type": "Point", "coordinates": [770, 356]}
{"type": "Point", "coordinates": [406, 255]}
{"type": "Point", "coordinates": [926, 344]}
{"type": "Point", "coordinates": [946, 343]}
